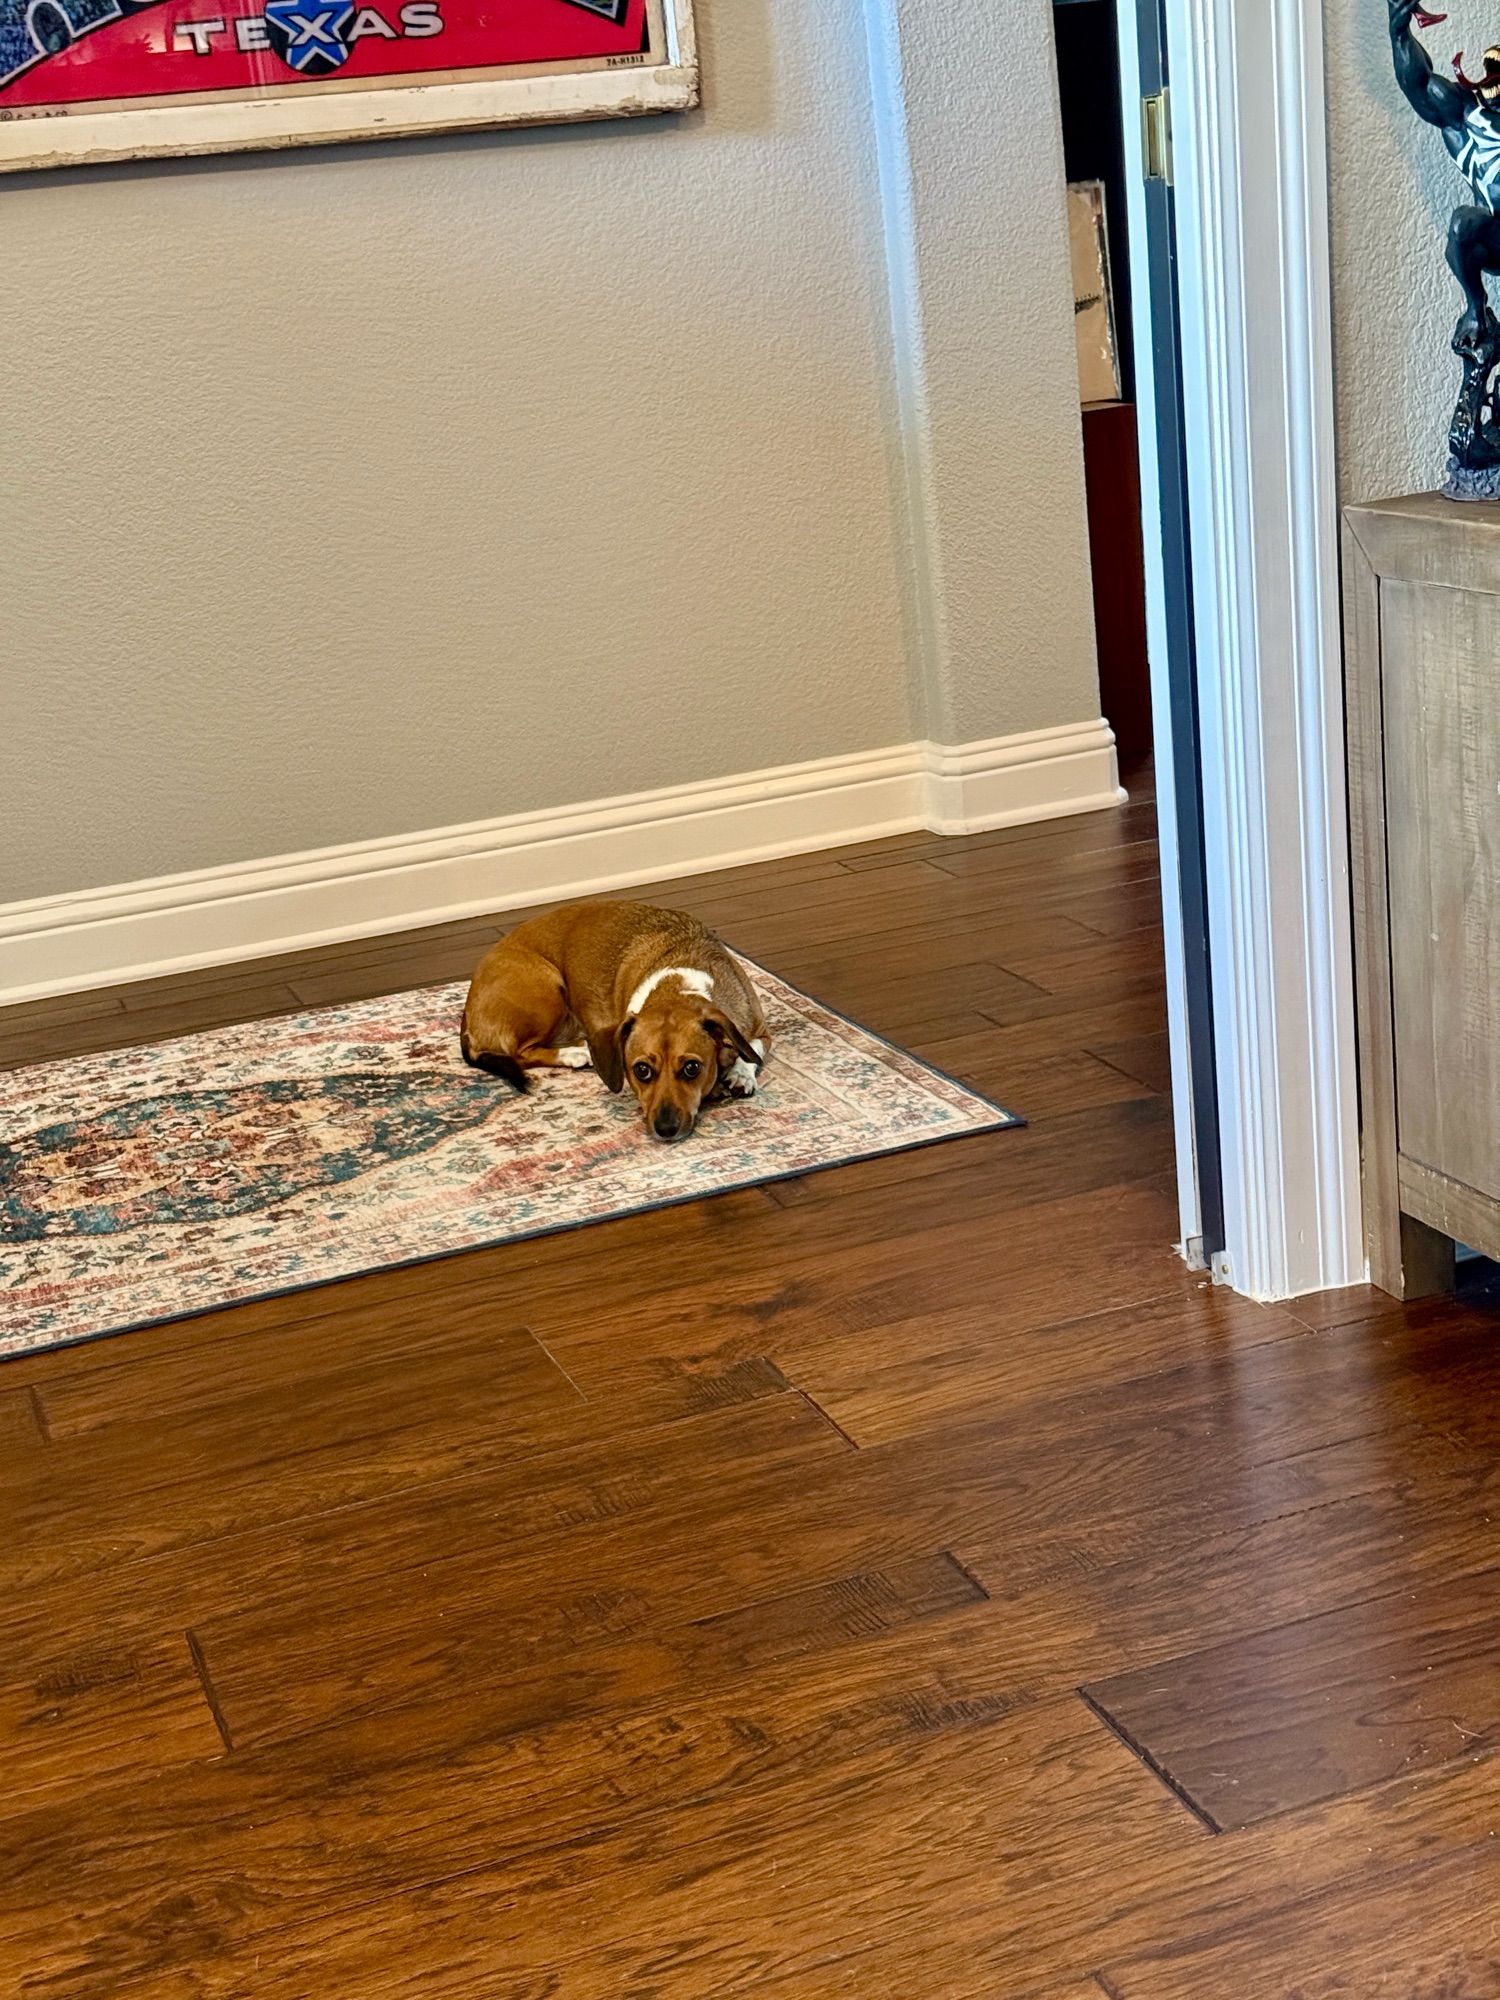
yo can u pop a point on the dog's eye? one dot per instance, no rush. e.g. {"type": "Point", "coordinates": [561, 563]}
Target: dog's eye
{"type": "Point", "coordinates": [644, 1072]}
{"type": "Point", "coordinates": [690, 1071]}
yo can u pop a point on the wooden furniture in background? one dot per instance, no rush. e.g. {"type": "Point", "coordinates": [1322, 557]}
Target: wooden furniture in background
{"type": "Point", "coordinates": [1422, 603]}
{"type": "Point", "coordinates": [1116, 554]}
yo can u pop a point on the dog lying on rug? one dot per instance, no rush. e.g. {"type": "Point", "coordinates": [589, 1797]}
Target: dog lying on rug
{"type": "Point", "coordinates": [647, 996]}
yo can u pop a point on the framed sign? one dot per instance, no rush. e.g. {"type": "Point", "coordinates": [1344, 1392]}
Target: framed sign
{"type": "Point", "coordinates": [88, 80]}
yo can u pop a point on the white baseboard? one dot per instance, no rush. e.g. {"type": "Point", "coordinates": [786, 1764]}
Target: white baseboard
{"type": "Point", "coordinates": [140, 930]}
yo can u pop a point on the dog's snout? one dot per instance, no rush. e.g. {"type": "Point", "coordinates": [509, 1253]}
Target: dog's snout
{"type": "Point", "coordinates": [668, 1123]}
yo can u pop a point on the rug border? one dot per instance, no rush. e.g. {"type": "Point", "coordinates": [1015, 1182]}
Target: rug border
{"type": "Point", "coordinates": [1002, 1119]}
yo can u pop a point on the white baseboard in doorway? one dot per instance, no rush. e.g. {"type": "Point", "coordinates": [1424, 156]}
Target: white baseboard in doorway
{"type": "Point", "coordinates": [213, 916]}
{"type": "Point", "coordinates": [1012, 780]}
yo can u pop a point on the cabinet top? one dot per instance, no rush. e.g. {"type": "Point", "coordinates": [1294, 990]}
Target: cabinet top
{"type": "Point", "coordinates": [1432, 511]}
{"type": "Point", "coordinates": [1423, 538]}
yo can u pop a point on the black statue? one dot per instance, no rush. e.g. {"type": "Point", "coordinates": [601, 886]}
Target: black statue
{"type": "Point", "coordinates": [1468, 116]}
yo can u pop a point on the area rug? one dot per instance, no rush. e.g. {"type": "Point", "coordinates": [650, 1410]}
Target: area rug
{"type": "Point", "coordinates": [149, 1183]}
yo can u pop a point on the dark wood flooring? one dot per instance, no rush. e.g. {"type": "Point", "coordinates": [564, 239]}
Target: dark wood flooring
{"type": "Point", "coordinates": [905, 1582]}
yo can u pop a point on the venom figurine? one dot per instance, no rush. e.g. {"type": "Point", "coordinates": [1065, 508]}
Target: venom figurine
{"type": "Point", "coordinates": [1467, 113]}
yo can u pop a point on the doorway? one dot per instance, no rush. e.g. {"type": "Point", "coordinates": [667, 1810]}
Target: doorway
{"type": "Point", "coordinates": [1223, 128]}
{"type": "Point", "coordinates": [1131, 397]}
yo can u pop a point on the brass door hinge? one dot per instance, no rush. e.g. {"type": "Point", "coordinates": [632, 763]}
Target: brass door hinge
{"type": "Point", "coordinates": [1156, 136]}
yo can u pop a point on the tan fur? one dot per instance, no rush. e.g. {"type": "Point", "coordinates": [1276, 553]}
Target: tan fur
{"type": "Point", "coordinates": [570, 974]}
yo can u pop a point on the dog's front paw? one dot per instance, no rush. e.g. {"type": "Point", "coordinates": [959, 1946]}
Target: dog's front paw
{"type": "Point", "coordinates": [576, 1057]}
{"type": "Point", "coordinates": [739, 1079]}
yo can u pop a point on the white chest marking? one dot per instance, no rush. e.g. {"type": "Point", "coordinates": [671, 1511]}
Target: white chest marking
{"type": "Point", "coordinates": [692, 979]}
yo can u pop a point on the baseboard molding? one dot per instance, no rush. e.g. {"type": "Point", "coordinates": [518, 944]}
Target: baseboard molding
{"type": "Point", "coordinates": [141, 930]}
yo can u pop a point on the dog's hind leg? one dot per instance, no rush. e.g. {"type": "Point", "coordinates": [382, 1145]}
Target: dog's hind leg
{"type": "Point", "coordinates": [493, 1063]}
{"type": "Point", "coordinates": [574, 1056]}
{"type": "Point", "coordinates": [517, 1023]}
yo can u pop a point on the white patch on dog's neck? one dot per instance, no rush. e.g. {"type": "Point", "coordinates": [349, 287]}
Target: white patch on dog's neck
{"type": "Point", "coordinates": [694, 981]}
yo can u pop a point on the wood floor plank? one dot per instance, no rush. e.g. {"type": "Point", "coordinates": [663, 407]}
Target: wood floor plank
{"type": "Point", "coordinates": [979, 1950]}
{"type": "Point", "coordinates": [599, 1661]}
{"type": "Point", "coordinates": [994, 1480]}
{"type": "Point", "coordinates": [1109, 1600]}
{"type": "Point", "coordinates": [477, 1595]}
{"type": "Point", "coordinates": [93, 1034]}
{"type": "Point", "coordinates": [507, 1502]}
{"type": "Point", "coordinates": [92, 1715]}
{"type": "Point", "coordinates": [59, 1529]}
{"type": "Point", "coordinates": [888, 1975]}
{"type": "Point", "coordinates": [767, 1296]}
{"type": "Point", "coordinates": [1324, 1706]}
{"type": "Point", "coordinates": [863, 855]}
{"type": "Point", "coordinates": [344, 1361]}
{"type": "Point", "coordinates": [885, 996]}
{"type": "Point", "coordinates": [784, 871]}
{"type": "Point", "coordinates": [1087, 858]}
{"type": "Point", "coordinates": [734, 903]}
{"type": "Point", "coordinates": [89, 1901]}
{"type": "Point", "coordinates": [550, 1908]}
{"type": "Point", "coordinates": [1349, 1306]}
{"type": "Point", "coordinates": [1046, 1044]}
{"type": "Point", "coordinates": [21, 1427]}
{"type": "Point", "coordinates": [740, 1262]}
{"type": "Point", "coordinates": [467, 933]}
{"type": "Point", "coordinates": [1049, 840]}
{"type": "Point", "coordinates": [805, 953]}
{"type": "Point", "coordinates": [56, 1012]}
{"type": "Point", "coordinates": [1414, 1933]}
{"type": "Point", "coordinates": [1049, 1086]}
{"type": "Point", "coordinates": [1101, 1146]}
{"type": "Point", "coordinates": [1136, 908]}
{"type": "Point", "coordinates": [918, 1373]}
{"type": "Point", "coordinates": [391, 973]}
{"type": "Point", "coordinates": [1129, 964]}
{"type": "Point", "coordinates": [899, 896]}
{"type": "Point", "coordinates": [932, 1849]}
{"type": "Point", "coordinates": [138, 1490]}
{"type": "Point", "coordinates": [227, 1413]}
{"type": "Point", "coordinates": [1111, 906]}
{"type": "Point", "coordinates": [1148, 1058]}
{"type": "Point", "coordinates": [875, 907]}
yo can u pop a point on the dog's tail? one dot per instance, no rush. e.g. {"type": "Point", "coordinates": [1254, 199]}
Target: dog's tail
{"type": "Point", "coordinates": [505, 1067]}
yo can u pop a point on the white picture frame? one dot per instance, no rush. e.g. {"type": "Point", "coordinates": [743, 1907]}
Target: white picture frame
{"type": "Point", "coordinates": [347, 110]}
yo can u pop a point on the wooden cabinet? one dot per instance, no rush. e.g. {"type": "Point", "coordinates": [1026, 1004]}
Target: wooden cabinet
{"type": "Point", "coordinates": [1112, 481]}
{"type": "Point", "coordinates": [1422, 607]}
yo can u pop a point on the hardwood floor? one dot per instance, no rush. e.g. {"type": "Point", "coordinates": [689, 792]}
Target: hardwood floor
{"type": "Point", "coordinates": [908, 1581]}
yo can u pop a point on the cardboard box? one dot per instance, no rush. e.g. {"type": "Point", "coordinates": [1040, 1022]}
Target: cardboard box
{"type": "Point", "coordinates": [1093, 300]}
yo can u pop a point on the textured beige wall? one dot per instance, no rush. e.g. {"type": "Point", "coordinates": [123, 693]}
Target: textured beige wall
{"type": "Point", "coordinates": [353, 493]}
{"type": "Point", "coordinates": [1392, 190]}
{"type": "Point", "coordinates": [1015, 645]}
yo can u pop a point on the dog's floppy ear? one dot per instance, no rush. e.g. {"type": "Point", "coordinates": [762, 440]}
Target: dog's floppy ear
{"type": "Point", "coordinates": [725, 1033]}
{"type": "Point", "coordinates": [607, 1053]}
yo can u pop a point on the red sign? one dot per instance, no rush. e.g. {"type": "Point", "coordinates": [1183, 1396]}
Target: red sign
{"type": "Point", "coordinates": [58, 55]}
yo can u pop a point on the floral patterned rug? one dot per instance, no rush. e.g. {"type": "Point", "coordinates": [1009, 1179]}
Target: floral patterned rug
{"type": "Point", "coordinates": [153, 1182]}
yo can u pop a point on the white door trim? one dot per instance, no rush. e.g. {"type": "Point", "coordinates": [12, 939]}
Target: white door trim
{"type": "Point", "coordinates": [1250, 168]}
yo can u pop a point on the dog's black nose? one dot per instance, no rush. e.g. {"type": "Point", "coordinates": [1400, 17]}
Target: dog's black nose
{"type": "Point", "coordinates": [667, 1124]}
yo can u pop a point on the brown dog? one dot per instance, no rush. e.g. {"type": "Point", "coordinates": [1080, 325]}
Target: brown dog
{"type": "Point", "coordinates": [646, 995]}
